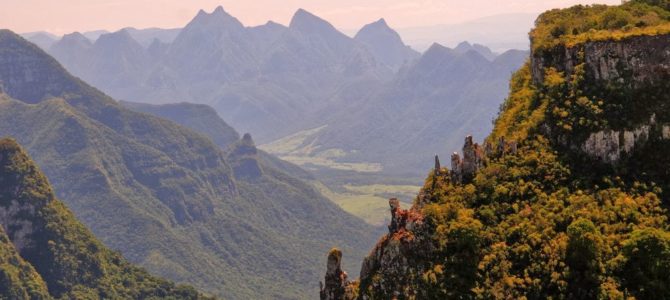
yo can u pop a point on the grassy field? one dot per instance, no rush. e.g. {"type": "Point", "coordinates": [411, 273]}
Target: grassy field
{"type": "Point", "coordinates": [302, 149]}
{"type": "Point", "coordinates": [368, 202]}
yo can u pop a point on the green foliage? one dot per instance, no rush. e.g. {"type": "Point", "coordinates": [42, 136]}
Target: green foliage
{"type": "Point", "coordinates": [571, 109]}
{"type": "Point", "coordinates": [583, 255]}
{"type": "Point", "coordinates": [661, 3]}
{"type": "Point", "coordinates": [166, 196]}
{"type": "Point", "coordinates": [532, 225]}
{"type": "Point", "coordinates": [581, 23]}
{"type": "Point", "coordinates": [70, 260]}
{"type": "Point", "coordinates": [18, 279]}
{"type": "Point", "coordinates": [644, 264]}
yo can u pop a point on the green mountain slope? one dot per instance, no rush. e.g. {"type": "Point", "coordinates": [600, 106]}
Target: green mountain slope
{"type": "Point", "coordinates": [18, 279]}
{"type": "Point", "coordinates": [198, 117]}
{"type": "Point", "coordinates": [56, 251]}
{"type": "Point", "coordinates": [567, 199]}
{"type": "Point", "coordinates": [204, 119]}
{"type": "Point", "coordinates": [163, 195]}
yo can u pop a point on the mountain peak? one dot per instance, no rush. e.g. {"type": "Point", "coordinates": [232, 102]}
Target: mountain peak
{"type": "Point", "coordinates": [385, 44]}
{"type": "Point", "coordinates": [75, 37]}
{"type": "Point", "coordinates": [307, 22]}
{"type": "Point", "coordinates": [219, 11]}
{"type": "Point", "coordinates": [379, 24]}
{"type": "Point", "coordinates": [218, 17]}
{"type": "Point", "coordinates": [45, 77]}
{"type": "Point", "coordinates": [463, 47]}
{"type": "Point", "coordinates": [436, 48]}
{"type": "Point", "coordinates": [201, 14]}
{"type": "Point", "coordinates": [121, 36]}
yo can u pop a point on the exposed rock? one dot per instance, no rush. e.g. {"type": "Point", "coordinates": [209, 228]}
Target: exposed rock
{"type": "Point", "coordinates": [463, 170]}
{"type": "Point", "coordinates": [636, 66]}
{"type": "Point", "coordinates": [470, 157]}
{"type": "Point", "coordinates": [513, 147]}
{"type": "Point", "coordinates": [243, 157]}
{"type": "Point", "coordinates": [398, 216]}
{"type": "Point", "coordinates": [610, 146]}
{"type": "Point", "coordinates": [644, 57]}
{"type": "Point", "coordinates": [456, 168]}
{"type": "Point", "coordinates": [665, 132]}
{"type": "Point", "coordinates": [337, 286]}
{"type": "Point", "coordinates": [437, 168]}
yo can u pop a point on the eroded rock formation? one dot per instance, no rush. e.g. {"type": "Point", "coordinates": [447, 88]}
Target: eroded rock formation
{"type": "Point", "coordinates": [336, 286]}
{"type": "Point", "coordinates": [463, 170]}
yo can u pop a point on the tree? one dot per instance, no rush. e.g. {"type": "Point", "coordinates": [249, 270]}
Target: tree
{"type": "Point", "coordinates": [583, 258]}
{"type": "Point", "coordinates": [646, 262]}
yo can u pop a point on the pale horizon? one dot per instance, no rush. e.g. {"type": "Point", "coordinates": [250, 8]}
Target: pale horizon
{"type": "Point", "coordinates": [111, 15]}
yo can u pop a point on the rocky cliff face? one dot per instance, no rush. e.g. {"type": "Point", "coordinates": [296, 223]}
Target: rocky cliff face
{"type": "Point", "coordinates": [630, 77]}
{"type": "Point", "coordinates": [638, 58]}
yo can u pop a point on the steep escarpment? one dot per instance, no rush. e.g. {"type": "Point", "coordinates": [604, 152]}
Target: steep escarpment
{"type": "Point", "coordinates": [531, 213]}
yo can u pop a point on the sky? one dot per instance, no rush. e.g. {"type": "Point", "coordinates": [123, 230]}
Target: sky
{"type": "Point", "coordinates": [65, 16]}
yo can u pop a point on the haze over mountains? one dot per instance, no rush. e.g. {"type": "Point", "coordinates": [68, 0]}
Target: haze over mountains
{"type": "Point", "coordinates": [307, 92]}
{"type": "Point", "coordinates": [229, 221]}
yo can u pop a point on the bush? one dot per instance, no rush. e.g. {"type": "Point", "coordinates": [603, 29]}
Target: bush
{"type": "Point", "coordinates": [646, 262]}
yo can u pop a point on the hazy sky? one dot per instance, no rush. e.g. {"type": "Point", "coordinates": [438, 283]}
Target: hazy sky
{"type": "Point", "coordinates": [64, 16]}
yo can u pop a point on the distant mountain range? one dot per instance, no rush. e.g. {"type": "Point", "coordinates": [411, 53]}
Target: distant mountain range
{"type": "Point", "coordinates": [307, 92]}
{"type": "Point", "coordinates": [206, 209]}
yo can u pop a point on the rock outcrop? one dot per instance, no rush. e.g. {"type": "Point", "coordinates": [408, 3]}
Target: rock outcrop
{"type": "Point", "coordinates": [336, 284]}
{"type": "Point", "coordinates": [610, 146]}
{"type": "Point", "coordinates": [243, 156]}
{"type": "Point", "coordinates": [463, 170]}
{"type": "Point", "coordinates": [631, 76]}
{"type": "Point", "coordinates": [643, 58]}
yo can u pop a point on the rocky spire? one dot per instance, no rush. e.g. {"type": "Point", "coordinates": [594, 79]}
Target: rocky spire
{"type": "Point", "coordinates": [396, 212]}
{"type": "Point", "coordinates": [336, 287]}
{"type": "Point", "coordinates": [469, 158]}
{"type": "Point", "coordinates": [464, 170]}
{"type": "Point", "coordinates": [437, 165]}
{"type": "Point", "coordinates": [456, 168]}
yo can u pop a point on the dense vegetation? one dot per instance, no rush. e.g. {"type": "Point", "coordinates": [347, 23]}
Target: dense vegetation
{"type": "Point", "coordinates": [545, 220]}
{"type": "Point", "coordinates": [58, 252]}
{"type": "Point", "coordinates": [534, 229]}
{"type": "Point", "coordinates": [527, 226]}
{"type": "Point", "coordinates": [600, 22]}
{"type": "Point", "coordinates": [18, 279]}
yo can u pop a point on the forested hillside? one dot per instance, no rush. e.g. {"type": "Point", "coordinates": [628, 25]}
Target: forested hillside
{"type": "Point", "coordinates": [46, 253]}
{"type": "Point", "coordinates": [567, 198]}
{"type": "Point", "coordinates": [167, 197]}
